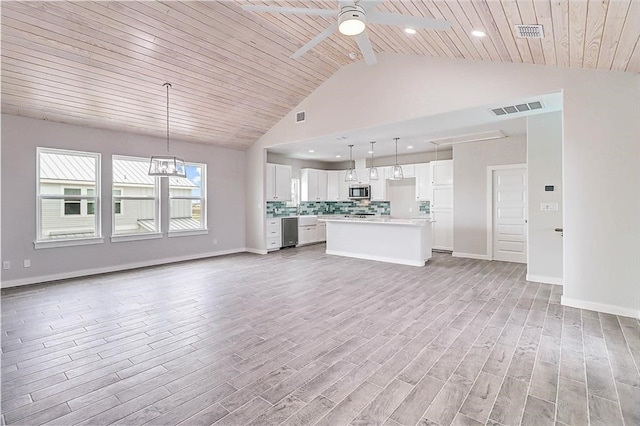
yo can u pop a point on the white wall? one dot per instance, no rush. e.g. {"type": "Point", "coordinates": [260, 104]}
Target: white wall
{"type": "Point", "coordinates": [600, 116]}
{"type": "Point", "coordinates": [20, 137]}
{"type": "Point", "coordinates": [470, 161]}
{"type": "Point", "coordinates": [544, 160]}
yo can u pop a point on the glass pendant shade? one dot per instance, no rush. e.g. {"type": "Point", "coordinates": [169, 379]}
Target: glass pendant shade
{"type": "Point", "coordinates": [397, 172]}
{"type": "Point", "coordinates": [397, 169]}
{"type": "Point", "coordinates": [351, 175]}
{"type": "Point", "coordinates": [167, 165]}
{"type": "Point", "coordinates": [373, 171]}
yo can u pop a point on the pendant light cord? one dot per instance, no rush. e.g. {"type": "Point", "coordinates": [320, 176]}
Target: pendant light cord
{"type": "Point", "coordinates": [396, 139]}
{"type": "Point", "coordinates": [372, 153]}
{"type": "Point", "coordinates": [167, 86]}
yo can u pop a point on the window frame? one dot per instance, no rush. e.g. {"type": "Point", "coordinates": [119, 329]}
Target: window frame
{"type": "Point", "coordinates": [203, 204]}
{"type": "Point", "coordinates": [40, 243]}
{"type": "Point", "coordinates": [115, 199]}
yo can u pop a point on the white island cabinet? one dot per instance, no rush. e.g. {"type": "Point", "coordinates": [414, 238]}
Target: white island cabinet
{"type": "Point", "coordinates": [406, 242]}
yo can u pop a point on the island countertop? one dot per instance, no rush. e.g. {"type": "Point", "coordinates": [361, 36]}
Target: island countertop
{"type": "Point", "coordinates": [377, 220]}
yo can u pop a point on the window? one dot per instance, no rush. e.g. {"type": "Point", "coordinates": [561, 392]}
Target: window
{"type": "Point", "coordinates": [187, 201]}
{"type": "Point", "coordinates": [136, 201]}
{"type": "Point", "coordinates": [72, 205]}
{"type": "Point", "coordinates": [67, 198]}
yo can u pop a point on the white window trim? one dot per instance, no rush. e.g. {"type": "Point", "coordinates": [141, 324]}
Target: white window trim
{"type": "Point", "coordinates": [188, 233]}
{"type": "Point", "coordinates": [136, 237]}
{"type": "Point", "coordinates": [156, 198]}
{"type": "Point", "coordinates": [67, 242]}
{"type": "Point", "coordinates": [203, 205]}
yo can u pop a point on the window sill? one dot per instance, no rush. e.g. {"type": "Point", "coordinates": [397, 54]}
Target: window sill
{"type": "Point", "coordinates": [67, 243]}
{"type": "Point", "coordinates": [135, 237]}
{"type": "Point", "coordinates": [188, 233]}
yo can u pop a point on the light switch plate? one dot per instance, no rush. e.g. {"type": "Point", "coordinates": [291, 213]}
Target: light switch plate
{"type": "Point", "coordinates": [548, 207]}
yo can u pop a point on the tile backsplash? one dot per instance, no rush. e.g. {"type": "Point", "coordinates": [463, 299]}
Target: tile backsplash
{"type": "Point", "coordinates": [280, 208]}
{"type": "Point", "coordinates": [424, 207]}
{"type": "Point", "coordinates": [345, 207]}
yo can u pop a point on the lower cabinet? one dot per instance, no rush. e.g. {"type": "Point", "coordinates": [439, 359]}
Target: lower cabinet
{"type": "Point", "coordinates": [442, 230]}
{"type": "Point", "coordinates": [321, 232]}
{"type": "Point", "coordinates": [274, 233]}
{"type": "Point", "coordinates": [307, 234]}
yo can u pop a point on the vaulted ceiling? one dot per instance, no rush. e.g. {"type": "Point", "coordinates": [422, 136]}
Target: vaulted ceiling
{"type": "Point", "coordinates": [102, 64]}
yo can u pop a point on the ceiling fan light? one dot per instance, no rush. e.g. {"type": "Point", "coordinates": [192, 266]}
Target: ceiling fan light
{"type": "Point", "coordinates": [352, 20]}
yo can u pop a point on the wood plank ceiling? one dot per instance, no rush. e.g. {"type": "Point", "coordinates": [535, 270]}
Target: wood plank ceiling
{"type": "Point", "coordinates": [102, 64]}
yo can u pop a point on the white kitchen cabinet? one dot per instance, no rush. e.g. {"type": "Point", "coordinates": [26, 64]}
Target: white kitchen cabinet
{"type": "Point", "coordinates": [337, 188]}
{"type": "Point", "coordinates": [423, 182]}
{"type": "Point", "coordinates": [442, 230]}
{"type": "Point", "coordinates": [307, 234]}
{"type": "Point", "coordinates": [442, 204]}
{"type": "Point", "coordinates": [362, 175]}
{"type": "Point", "coordinates": [408, 170]}
{"type": "Point", "coordinates": [274, 233]}
{"type": "Point", "coordinates": [379, 186]}
{"type": "Point", "coordinates": [321, 232]}
{"type": "Point", "coordinates": [314, 185]}
{"type": "Point", "coordinates": [278, 182]}
{"type": "Point", "coordinates": [442, 172]}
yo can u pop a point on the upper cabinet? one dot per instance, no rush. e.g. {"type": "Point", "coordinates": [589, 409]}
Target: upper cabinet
{"type": "Point", "coordinates": [337, 188]}
{"type": "Point", "coordinates": [442, 172]}
{"type": "Point", "coordinates": [313, 185]}
{"type": "Point", "coordinates": [423, 182]}
{"type": "Point", "coordinates": [379, 186]}
{"type": "Point", "coordinates": [278, 182]}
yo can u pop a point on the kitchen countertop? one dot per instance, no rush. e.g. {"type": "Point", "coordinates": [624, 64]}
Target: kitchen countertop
{"type": "Point", "coordinates": [378, 220]}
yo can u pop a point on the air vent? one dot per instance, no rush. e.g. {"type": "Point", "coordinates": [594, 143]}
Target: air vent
{"type": "Point", "coordinates": [301, 116]}
{"type": "Point", "coordinates": [529, 31]}
{"type": "Point", "coordinates": [514, 109]}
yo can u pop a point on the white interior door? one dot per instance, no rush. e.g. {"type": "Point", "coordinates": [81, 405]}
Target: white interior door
{"type": "Point", "coordinates": [509, 215]}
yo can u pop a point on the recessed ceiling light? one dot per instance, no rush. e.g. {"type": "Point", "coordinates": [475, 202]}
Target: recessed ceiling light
{"type": "Point", "coordinates": [352, 55]}
{"type": "Point", "coordinates": [338, 156]}
{"type": "Point", "coordinates": [311, 151]}
{"type": "Point", "coordinates": [478, 33]}
{"type": "Point", "coordinates": [369, 152]}
{"type": "Point", "coordinates": [409, 146]}
{"type": "Point", "coordinates": [410, 31]}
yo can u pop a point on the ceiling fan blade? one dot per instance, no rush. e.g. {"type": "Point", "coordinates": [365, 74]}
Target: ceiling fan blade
{"type": "Point", "coordinates": [317, 39]}
{"type": "Point", "coordinates": [369, 5]}
{"type": "Point", "coordinates": [407, 21]}
{"type": "Point", "coordinates": [291, 10]}
{"type": "Point", "coordinates": [365, 47]}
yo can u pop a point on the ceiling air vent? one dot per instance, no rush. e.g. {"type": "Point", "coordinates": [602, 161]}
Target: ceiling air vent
{"type": "Point", "coordinates": [513, 109]}
{"type": "Point", "coordinates": [301, 116]}
{"type": "Point", "coordinates": [529, 31]}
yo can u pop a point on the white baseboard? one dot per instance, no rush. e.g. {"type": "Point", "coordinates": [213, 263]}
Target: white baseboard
{"type": "Point", "coordinates": [255, 251]}
{"type": "Point", "coordinates": [115, 268]}
{"type": "Point", "coordinates": [377, 258]}
{"type": "Point", "coordinates": [543, 279]}
{"type": "Point", "coordinates": [470, 255]}
{"type": "Point", "coordinates": [600, 307]}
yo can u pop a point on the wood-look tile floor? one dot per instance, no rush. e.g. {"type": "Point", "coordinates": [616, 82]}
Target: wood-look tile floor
{"type": "Point", "coordinates": [299, 338]}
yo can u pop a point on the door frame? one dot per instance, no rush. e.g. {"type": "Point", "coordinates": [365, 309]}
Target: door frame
{"type": "Point", "coordinates": [490, 170]}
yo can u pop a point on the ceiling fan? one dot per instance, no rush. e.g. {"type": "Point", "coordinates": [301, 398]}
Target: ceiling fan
{"type": "Point", "coordinates": [352, 19]}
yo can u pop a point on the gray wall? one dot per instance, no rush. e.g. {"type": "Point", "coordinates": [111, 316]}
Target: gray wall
{"type": "Point", "coordinates": [20, 136]}
{"type": "Point", "coordinates": [470, 161]}
{"type": "Point", "coordinates": [544, 160]}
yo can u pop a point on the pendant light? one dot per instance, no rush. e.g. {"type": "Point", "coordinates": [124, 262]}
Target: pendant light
{"type": "Point", "coordinates": [373, 171]}
{"type": "Point", "coordinates": [167, 165]}
{"type": "Point", "coordinates": [351, 171]}
{"type": "Point", "coordinates": [397, 169]}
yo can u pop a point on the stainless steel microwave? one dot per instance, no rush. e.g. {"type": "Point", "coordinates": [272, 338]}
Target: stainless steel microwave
{"type": "Point", "coordinates": [360, 192]}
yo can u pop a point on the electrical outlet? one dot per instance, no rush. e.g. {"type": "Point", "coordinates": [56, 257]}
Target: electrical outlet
{"type": "Point", "coordinates": [215, 241]}
{"type": "Point", "coordinates": [6, 265]}
{"type": "Point", "coordinates": [27, 263]}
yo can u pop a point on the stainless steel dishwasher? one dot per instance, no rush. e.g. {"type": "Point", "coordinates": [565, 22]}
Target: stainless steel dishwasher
{"type": "Point", "coordinates": [289, 232]}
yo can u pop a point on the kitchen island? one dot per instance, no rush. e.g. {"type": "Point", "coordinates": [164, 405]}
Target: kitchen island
{"type": "Point", "coordinates": [402, 241]}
